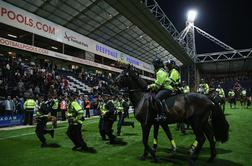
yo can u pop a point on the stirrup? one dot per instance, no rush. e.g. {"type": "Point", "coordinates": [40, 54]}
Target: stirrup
{"type": "Point", "coordinates": [160, 118]}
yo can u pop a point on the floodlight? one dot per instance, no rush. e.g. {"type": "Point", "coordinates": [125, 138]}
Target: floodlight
{"type": "Point", "coordinates": [191, 15]}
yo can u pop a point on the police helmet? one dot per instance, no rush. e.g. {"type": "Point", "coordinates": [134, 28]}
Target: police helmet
{"type": "Point", "coordinates": [157, 63]}
{"type": "Point", "coordinates": [170, 62]}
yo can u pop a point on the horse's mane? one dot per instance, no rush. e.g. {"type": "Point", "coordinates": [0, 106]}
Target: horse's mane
{"type": "Point", "coordinates": [136, 76]}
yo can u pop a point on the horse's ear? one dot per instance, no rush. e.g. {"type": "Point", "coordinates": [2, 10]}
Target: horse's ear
{"type": "Point", "coordinates": [128, 66]}
{"type": "Point", "coordinates": [122, 65]}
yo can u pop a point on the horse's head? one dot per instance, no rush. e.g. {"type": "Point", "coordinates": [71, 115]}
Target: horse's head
{"type": "Point", "coordinates": [130, 78]}
{"type": "Point", "coordinates": [124, 79]}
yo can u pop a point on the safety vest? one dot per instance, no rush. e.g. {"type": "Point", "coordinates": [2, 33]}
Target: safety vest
{"type": "Point", "coordinates": [102, 108]}
{"type": "Point", "coordinates": [205, 88]}
{"type": "Point", "coordinates": [220, 92]}
{"type": "Point", "coordinates": [175, 77]}
{"type": "Point", "coordinates": [186, 89]}
{"type": "Point", "coordinates": [55, 104]}
{"type": "Point", "coordinates": [243, 92]}
{"type": "Point", "coordinates": [75, 112]}
{"type": "Point", "coordinates": [162, 80]}
{"type": "Point", "coordinates": [29, 104]}
{"type": "Point", "coordinates": [231, 93]}
{"type": "Point", "coordinates": [43, 111]}
{"type": "Point", "coordinates": [119, 106]}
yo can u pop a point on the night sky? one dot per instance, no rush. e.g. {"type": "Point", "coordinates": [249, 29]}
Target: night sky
{"type": "Point", "coordinates": [228, 20]}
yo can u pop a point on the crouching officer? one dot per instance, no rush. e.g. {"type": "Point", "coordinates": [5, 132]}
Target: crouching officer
{"type": "Point", "coordinates": [75, 120]}
{"type": "Point", "coordinates": [108, 118]}
{"type": "Point", "coordinates": [42, 118]}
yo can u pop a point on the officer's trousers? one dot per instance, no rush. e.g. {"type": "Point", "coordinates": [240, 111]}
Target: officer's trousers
{"type": "Point", "coordinates": [107, 128]}
{"type": "Point", "coordinates": [121, 122]}
{"type": "Point", "coordinates": [74, 133]}
{"type": "Point", "coordinates": [101, 129]}
{"type": "Point", "coordinates": [28, 116]}
{"type": "Point", "coordinates": [41, 129]}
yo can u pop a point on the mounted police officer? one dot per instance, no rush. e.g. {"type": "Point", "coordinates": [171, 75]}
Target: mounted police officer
{"type": "Point", "coordinates": [75, 116]}
{"type": "Point", "coordinates": [42, 118]}
{"type": "Point", "coordinates": [174, 74]}
{"type": "Point", "coordinates": [162, 85]}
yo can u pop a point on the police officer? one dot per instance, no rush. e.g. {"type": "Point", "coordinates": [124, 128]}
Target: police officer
{"type": "Point", "coordinates": [101, 110]}
{"type": "Point", "coordinates": [231, 96]}
{"type": "Point", "coordinates": [185, 87]}
{"type": "Point", "coordinates": [162, 85]}
{"type": "Point", "coordinates": [29, 107]}
{"type": "Point", "coordinates": [174, 74]}
{"type": "Point", "coordinates": [124, 107]}
{"type": "Point", "coordinates": [203, 87]}
{"type": "Point", "coordinates": [55, 109]}
{"type": "Point", "coordinates": [108, 118]}
{"type": "Point", "coordinates": [119, 109]}
{"type": "Point", "coordinates": [243, 96]}
{"type": "Point", "coordinates": [243, 92]}
{"type": "Point", "coordinates": [42, 118]}
{"type": "Point", "coordinates": [75, 120]}
{"type": "Point", "coordinates": [220, 91]}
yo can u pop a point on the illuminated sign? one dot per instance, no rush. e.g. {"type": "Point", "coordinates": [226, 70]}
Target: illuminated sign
{"type": "Point", "coordinates": [132, 61]}
{"type": "Point", "coordinates": [106, 51]}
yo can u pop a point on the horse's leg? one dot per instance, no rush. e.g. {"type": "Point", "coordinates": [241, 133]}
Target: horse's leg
{"type": "Point", "coordinates": [169, 135]}
{"type": "Point", "coordinates": [200, 138]}
{"type": "Point", "coordinates": [155, 141]}
{"type": "Point", "coordinates": [223, 105]}
{"type": "Point", "coordinates": [147, 148]}
{"type": "Point", "coordinates": [210, 136]}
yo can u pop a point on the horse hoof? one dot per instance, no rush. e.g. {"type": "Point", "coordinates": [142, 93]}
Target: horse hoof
{"type": "Point", "coordinates": [154, 147]}
{"type": "Point", "coordinates": [191, 163]}
{"type": "Point", "coordinates": [142, 158]}
{"type": "Point", "coordinates": [191, 151]}
{"type": "Point", "coordinates": [174, 151]}
{"type": "Point", "coordinates": [210, 160]}
{"type": "Point", "coordinates": [155, 160]}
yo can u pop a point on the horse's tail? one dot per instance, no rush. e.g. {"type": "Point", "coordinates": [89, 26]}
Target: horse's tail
{"type": "Point", "coordinates": [220, 124]}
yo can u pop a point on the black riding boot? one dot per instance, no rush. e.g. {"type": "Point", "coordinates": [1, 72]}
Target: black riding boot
{"type": "Point", "coordinates": [161, 117]}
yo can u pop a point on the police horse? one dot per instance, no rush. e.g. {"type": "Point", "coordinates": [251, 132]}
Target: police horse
{"type": "Point", "coordinates": [193, 108]}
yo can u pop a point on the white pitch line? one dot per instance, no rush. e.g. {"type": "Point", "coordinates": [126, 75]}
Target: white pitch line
{"type": "Point", "coordinates": [20, 135]}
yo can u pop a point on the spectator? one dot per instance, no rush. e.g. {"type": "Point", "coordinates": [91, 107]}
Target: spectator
{"type": "Point", "coordinates": [9, 106]}
{"type": "Point", "coordinates": [87, 106]}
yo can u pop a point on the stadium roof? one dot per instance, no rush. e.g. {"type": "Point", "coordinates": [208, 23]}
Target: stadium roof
{"type": "Point", "coordinates": [226, 66]}
{"type": "Point", "coordinates": [126, 25]}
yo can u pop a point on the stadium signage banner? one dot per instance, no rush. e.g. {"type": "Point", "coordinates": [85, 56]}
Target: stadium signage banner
{"type": "Point", "coordinates": [27, 21]}
{"type": "Point", "coordinates": [11, 120]}
{"type": "Point", "coordinates": [30, 48]}
{"type": "Point", "coordinates": [42, 51]}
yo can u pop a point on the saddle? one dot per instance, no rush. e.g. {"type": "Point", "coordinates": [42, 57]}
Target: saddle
{"type": "Point", "coordinates": [167, 103]}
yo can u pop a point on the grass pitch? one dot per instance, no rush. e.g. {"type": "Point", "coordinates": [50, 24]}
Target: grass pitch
{"type": "Point", "coordinates": [21, 147]}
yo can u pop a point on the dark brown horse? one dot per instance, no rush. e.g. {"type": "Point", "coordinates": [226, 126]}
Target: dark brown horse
{"type": "Point", "coordinates": [193, 108]}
